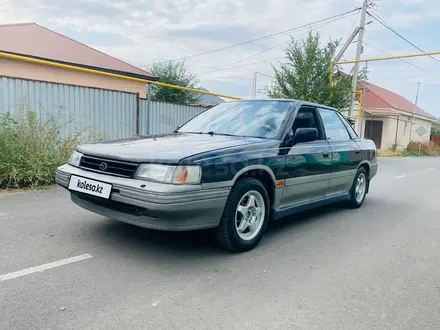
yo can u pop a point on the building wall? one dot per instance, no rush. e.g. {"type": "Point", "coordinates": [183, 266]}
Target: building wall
{"type": "Point", "coordinates": [26, 70]}
{"type": "Point", "coordinates": [421, 123]}
{"type": "Point", "coordinates": [400, 125]}
{"type": "Point", "coordinates": [403, 128]}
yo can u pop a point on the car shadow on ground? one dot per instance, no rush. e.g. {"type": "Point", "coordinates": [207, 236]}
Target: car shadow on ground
{"type": "Point", "coordinates": [132, 240]}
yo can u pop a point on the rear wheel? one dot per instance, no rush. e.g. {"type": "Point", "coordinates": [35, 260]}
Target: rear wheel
{"type": "Point", "coordinates": [245, 216]}
{"type": "Point", "coordinates": [358, 190]}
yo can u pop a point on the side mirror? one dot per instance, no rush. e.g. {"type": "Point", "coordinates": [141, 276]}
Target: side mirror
{"type": "Point", "coordinates": [351, 121]}
{"type": "Point", "coordinates": [305, 135]}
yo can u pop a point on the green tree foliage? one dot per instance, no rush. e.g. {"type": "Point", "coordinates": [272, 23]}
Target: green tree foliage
{"type": "Point", "coordinates": [175, 73]}
{"type": "Point", "coordinates": [305, 74]}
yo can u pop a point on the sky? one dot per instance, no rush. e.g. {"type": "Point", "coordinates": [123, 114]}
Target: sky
{"type": "Point", "coordinates": [143, 31]}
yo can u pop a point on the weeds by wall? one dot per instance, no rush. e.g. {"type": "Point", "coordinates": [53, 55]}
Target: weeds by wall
{"type": "Point", "coordinates": [30, 151]}
{"type": "Point", "coordinates": [426, 148]}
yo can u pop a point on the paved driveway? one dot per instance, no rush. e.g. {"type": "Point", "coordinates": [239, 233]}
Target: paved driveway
{"type": "Point", "coordinates": [373, 268]}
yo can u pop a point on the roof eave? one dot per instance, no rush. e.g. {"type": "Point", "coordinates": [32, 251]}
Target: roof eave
{"type": "Point", "coordinates": [121, 73]}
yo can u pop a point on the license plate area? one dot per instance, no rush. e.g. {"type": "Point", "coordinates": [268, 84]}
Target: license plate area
{"type": "Point", "coordinates": [90, 186]}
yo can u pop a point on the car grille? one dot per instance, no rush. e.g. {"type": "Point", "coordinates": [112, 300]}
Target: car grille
{"type": "Point", "coordinates": [108, 166]}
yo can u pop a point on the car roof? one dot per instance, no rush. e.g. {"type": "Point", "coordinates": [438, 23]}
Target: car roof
{"type": "Point", "coordinates": [298, 102]}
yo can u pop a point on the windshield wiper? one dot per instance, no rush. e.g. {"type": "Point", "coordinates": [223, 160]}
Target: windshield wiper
{"type": "Point", "coordinates": [191, 132]}
{"type": "Point", "coordinates": [212, 133]}
{"type": "Point", "coordinates": [224, 134]}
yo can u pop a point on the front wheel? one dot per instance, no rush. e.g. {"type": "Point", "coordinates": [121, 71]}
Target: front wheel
{"type": "Point", "coordinates": [358, 190]}
{"type": "Point", "coordinates": [245, 216]}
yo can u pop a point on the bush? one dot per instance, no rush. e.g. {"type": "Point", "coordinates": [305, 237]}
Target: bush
{"type": "Point", "coordinates": [30, 151]}
{"type": "Point", "coordinates": [428, 148]}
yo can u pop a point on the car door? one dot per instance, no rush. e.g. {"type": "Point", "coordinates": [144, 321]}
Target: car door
{"type": "Point", "coordinates": [346, 153]}
{"type": "Point", "coordinates": [308, 164]}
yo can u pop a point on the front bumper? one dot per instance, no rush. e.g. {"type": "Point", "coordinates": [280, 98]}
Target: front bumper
{"type": "Point", "coordinates": [156, 206]}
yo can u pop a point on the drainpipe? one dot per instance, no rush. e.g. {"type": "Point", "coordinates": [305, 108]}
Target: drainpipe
{"type": "Point", "coordinates": [397, 130]}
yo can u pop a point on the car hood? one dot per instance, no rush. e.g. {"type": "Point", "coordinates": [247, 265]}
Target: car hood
{"type": "Point", "coordinates": [169, 149]}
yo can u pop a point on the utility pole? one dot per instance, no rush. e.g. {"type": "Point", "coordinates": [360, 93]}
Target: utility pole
{"type": "Point", "coordinates": [358, 54]}
{"type": "Point", "coordinates": [254, 85]}
{"type": "Point", "coordinates": [414, 111]}
{"type": "Point", "coordinates": [346, 45]}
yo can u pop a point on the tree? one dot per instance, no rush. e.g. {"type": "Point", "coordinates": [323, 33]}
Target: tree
{"type": "Point", "coordinates": [306, 76]}
{"type": "Point", "coordinates": [175, 73]}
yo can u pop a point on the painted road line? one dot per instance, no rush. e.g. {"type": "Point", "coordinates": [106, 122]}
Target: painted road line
{"type": "Point", "coordinates": [44, 267]}
{"type": "Point", "coordinates": [4, 214]}
{"type": "Point", "coordinates": [431, 169]}
{"type": "Point", "coordinates": [400, 176]}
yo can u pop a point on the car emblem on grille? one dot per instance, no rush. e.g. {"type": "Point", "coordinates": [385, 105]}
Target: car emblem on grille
{"type": "Point", "coordinates": [103, 166]}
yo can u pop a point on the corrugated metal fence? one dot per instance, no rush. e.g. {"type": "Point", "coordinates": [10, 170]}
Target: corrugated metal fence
{"type": "Point", "coordinates": [95, 112]}
{"type": "Point", "coordinates": [165, 117]}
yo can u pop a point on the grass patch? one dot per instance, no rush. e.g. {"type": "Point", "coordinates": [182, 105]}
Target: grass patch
{"type": "Point", "coordinates": [390, 153]}
{"type": "Point", "coordinates": [30, 151]}
{"type": "Point", "coordinates": [412, 150]}
{"type": "Point", "coordinates": [426, 149]}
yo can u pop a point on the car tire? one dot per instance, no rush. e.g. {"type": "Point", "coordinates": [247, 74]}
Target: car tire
{"type": "Point", "coordinates": [240, 211]}
{"type": "Point", "coordinates": [359, 189]}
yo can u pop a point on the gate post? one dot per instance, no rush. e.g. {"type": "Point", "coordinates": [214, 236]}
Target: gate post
{"type": "Point", "coordinates": [138, 115]}
{"type": "Point", "coordinates": [148, 107]}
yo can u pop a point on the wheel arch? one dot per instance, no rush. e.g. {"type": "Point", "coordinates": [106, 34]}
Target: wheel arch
{"type": "Point", "coordinates": [366, 165]}
{"type": "Point", "coordinates": [262, 173]}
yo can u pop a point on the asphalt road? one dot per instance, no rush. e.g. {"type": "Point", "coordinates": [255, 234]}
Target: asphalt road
{"type": "Point", "coordinates": [373, 268]}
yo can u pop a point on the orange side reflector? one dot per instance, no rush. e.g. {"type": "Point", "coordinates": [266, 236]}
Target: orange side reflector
{"type": "Point", "coordinates": [279, 183]}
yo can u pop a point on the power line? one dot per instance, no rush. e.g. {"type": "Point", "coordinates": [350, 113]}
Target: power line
{"type": "Point", "coordinates": [266, 75]}
{"type": "Point", "coordinates": [355, 20]}
{"type": "Point", "coordinates": [248, 57]}
{"type": "Point", "coordinates": [307, 8]}
{"type": "Point", "coordinates": [249, 64]}
{"type": "Point", "coordinates": [273, 47]}
{"type": "Point", "coordinates": [260, 38]}
{"type": "Point", "coordinates": [401, 59]}
{"type": "Point", "coordinates": [386, 25]}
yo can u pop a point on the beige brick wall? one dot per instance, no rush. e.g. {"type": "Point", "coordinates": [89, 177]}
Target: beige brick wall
{"type": "Point", "coordinates": [403, 127]}
{"type": "Point", "coordinates": [32, 71]}
{"type": "Point", "coordinates": [421, 123]}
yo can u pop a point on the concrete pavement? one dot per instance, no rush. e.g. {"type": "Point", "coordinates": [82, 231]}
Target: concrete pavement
{"type": "Point", "coordinates": [376, 267]}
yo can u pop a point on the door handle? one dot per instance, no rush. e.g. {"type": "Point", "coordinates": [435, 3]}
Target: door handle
{"type": "Point", "coordinates": [357, 152]}
{"type": "Point", "coordinates": [325, 154]}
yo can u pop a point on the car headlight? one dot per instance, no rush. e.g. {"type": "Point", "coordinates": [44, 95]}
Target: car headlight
{"type": "Point", "coordinates": [169, 174]}
{"type": "Point", "coordinates": [75, 158]}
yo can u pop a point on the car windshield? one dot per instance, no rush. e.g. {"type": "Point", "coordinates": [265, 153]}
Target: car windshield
{"type": "Point", "coordinates": [260, 119]}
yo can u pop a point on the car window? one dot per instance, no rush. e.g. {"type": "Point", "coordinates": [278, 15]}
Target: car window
{"type": "Point", "coordinates": [334, 128]}
{"type": "Point", "coordinates": [306, 118]}
{"type": "Point", "coordinates": [348, 126]}
{"type": "Point", "coordinates": [242, 118]}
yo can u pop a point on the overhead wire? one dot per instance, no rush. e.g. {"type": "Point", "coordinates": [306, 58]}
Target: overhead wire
{"type": "Point", "coordinates": [307, 8]}
{"type": "Point", "coordinates": [377, 18]}
{"type": "Point", "coordinates": [273, 47]}
{"type": "Point", "coordinates": [253, 63]}
{"type": "Point", "coordinates": [389, 54]}
{"type": "Point", "coordinates": [260, 38]}
{"type": "Point", "coordinates": [352, 28]}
